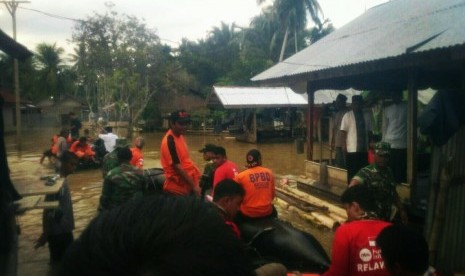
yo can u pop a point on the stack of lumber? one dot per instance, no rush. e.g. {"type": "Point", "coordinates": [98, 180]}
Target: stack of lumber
{"type": "Point", "coordinates": [310, 208]}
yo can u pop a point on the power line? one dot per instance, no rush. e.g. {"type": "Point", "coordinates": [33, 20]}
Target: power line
{"type": "Point", "coordinates": [54, 15]}
{"type": "Point", "coordinates": [76, 20]}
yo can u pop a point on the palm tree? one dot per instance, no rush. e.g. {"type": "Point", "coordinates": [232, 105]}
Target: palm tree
{"type": "Point", "coordinates": [292, 15]}
{"type": "Point", "coordinates": [48, 62]}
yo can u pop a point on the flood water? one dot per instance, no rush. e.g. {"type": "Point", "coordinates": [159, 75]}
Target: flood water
{"type": "Point", "coordinates": [85, 186]}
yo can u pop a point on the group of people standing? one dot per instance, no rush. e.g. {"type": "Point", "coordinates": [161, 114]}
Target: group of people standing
{"type": "Point", "coordinates": [367, 244]}
{"type": "Point", "coordinates": [354, 134]}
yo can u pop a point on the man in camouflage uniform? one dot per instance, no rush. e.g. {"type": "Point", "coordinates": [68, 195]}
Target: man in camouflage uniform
{"type": "Point", "coordinates": [122, 183]}
{"type": "Point", "coordinates": [206, 181]}
{"type": "Point", "coordinates": [379, 178]}
{"type": "Point", "coordinates": [110, 161]}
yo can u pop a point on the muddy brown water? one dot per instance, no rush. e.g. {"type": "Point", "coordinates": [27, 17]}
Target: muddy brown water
{"type": "Point", "coordinates": [85, 185]}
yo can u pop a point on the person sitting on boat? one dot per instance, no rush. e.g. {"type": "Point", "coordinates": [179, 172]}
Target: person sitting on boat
{"type": "Point", "coordinates": [258, 183]}
{"type": "Point", "coordinates": [224, 168]}
{"type": "Point", "coordinates": [137, 154]}
{"type": "Point", "coordinates": [228, 198]}
{"type": "Point", "coordinates": [82, 149]}
{"type": "Point", "coordinates": [110, 160]}
{"type": "Point", "coordinates": [404, 251]}
{"type": "Point", "coordinates": [354, 250]}
{"type": "Point", "coordinates": [206, 181]}
{"type": "Point", "coordinates": [51, 153]}
{"type": "Point", "coordinates": [379, 178]}
{"type": "Point", "coordinates": [122, 183]}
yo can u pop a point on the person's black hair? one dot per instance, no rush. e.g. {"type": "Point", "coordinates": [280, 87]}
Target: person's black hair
{"type": "Point", "coordinates": [108, 129]}
{"type": "Point", "coordinates": [82, 139]}
{"type": "Point", "coordinates": [361, 194]}
{"type": "Point", "coordinates": [219, 151]}
{"type": "Point", "coordinates": [404, 247]}
{"type": "Point", "coordinates": [64, 132]}
{"type": "Point", "coordinates": [157, 235]}
{"type": "Point", "coordinates": [227, 187]}
{"type": "Point", "coordinates": [124, 153]}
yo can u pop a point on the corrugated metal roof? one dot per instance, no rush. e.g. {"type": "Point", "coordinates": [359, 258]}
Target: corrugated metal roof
{"type": "Point", "coordinates": [396, 28]}
{"type": "Point", "coordinates": [254, 97]}
{"type": "Point", "coordinates": [13, 48]}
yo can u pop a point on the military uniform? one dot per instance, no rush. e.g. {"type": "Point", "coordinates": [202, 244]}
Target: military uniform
{"type": "Point", "coordinates": [110, 160]}
{"type": "Point", "coordinates": [120, 185]}
{"type": "Point", "coordinates": [382, 183]}
{"type": "Point", "coordinates": [206, 181]}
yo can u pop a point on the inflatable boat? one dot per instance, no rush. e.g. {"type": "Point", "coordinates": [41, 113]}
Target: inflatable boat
{"type": "Point", "coordinates": [270, 239]}
{"type": "Point", "coordinates": [277, 241]}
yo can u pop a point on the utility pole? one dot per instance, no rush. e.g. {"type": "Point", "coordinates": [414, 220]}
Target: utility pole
{"type": "Point", "coordinates": [11, 7]}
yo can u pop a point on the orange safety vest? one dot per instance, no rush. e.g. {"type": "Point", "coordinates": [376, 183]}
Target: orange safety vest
{"type": "Point", "coordinates": [258, 183]}
{"type": "Point", "coordinates": [174, 183]}
{"type": "Point", "coordinates": [81, 151]}
{"type": "Point", "coordinates": [54, 148]}
{"type": "Point", "coordinates": [137, 157]}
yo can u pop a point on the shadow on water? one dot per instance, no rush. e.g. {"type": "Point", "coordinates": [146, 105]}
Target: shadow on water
{"type": "Point", "coordinates": [86, 185]}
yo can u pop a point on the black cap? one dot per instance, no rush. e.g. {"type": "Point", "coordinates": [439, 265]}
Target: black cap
{"type": "Point", "coordinates": [207, 148]}
{"type": "Point", "coordinates": [253, 158]}
{"type": "Point", "coordinates": [180, 116]}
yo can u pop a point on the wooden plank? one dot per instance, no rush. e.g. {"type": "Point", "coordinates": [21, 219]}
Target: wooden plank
{"type": "Point", "coordinates": [27, 203]}
{"type": "Point", "coordinates": [42, 204]}
{"type": "Point", "coordinates": [32, 188]}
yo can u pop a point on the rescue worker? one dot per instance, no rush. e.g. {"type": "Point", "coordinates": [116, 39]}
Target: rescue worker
{"type": "Point", "coordinates": [224, 168]}
{"type": "Point", "coordinates": [181, 174]}
{"type": "Point", "coordinates": [258, 183]}
{"type": "Point", "coordinates": [137, 154]}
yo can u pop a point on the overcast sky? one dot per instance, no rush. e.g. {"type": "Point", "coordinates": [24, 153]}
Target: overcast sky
{"type": "Point", "coordinates": [172, 19]}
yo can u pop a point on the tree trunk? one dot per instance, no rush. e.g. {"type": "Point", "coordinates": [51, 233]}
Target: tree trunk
{"type": "Point", "coordinates": [283, 46]}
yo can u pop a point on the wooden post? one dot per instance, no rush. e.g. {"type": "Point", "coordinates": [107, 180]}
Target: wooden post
{"type": "Point", "coordinates": [412, 134]}
{"type": "Point", "coordinates": [310, 107]}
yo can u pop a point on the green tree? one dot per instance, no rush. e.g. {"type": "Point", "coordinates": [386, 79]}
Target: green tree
{"type": "Point", "coordinates": [292, 17]}
{"type": "Point", "coordinates": [48, 62]}
{"type": "Point", "coordinates": [121, 66]}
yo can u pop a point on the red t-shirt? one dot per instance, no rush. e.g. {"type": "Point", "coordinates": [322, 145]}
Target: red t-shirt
{"type": "Point", "coordinates": [227, 170]}
{"type": "Point", "coordinates": [354, 250]}
{"type": "Point", "coordinates": [137, 157]}
{"type": "Point", "coordinates": [258, 183]}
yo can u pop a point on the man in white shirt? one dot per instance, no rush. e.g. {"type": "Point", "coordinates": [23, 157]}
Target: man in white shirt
{"type": "Point", "coordinates": [356, 130]}
{"type": "Point", "coordinates": [109, 139]}
{"type": "Point", "coordinates": [395, 133]}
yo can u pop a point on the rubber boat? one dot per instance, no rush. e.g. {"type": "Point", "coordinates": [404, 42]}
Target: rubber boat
{"type": "Point", "coordinates": [270, 239]}
{"type": "Point", "coordinates": [277, 241]}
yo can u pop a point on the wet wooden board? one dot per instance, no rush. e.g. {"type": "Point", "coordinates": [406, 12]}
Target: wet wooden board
{"type": "Point", "coordinates": [35, 202]}
{"type": "Point", "coordinates": [42, 204]}
{"type": "Point", "coordinates": [27, 203]}
{"type": "Point", "coordinates": [33, 188]}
